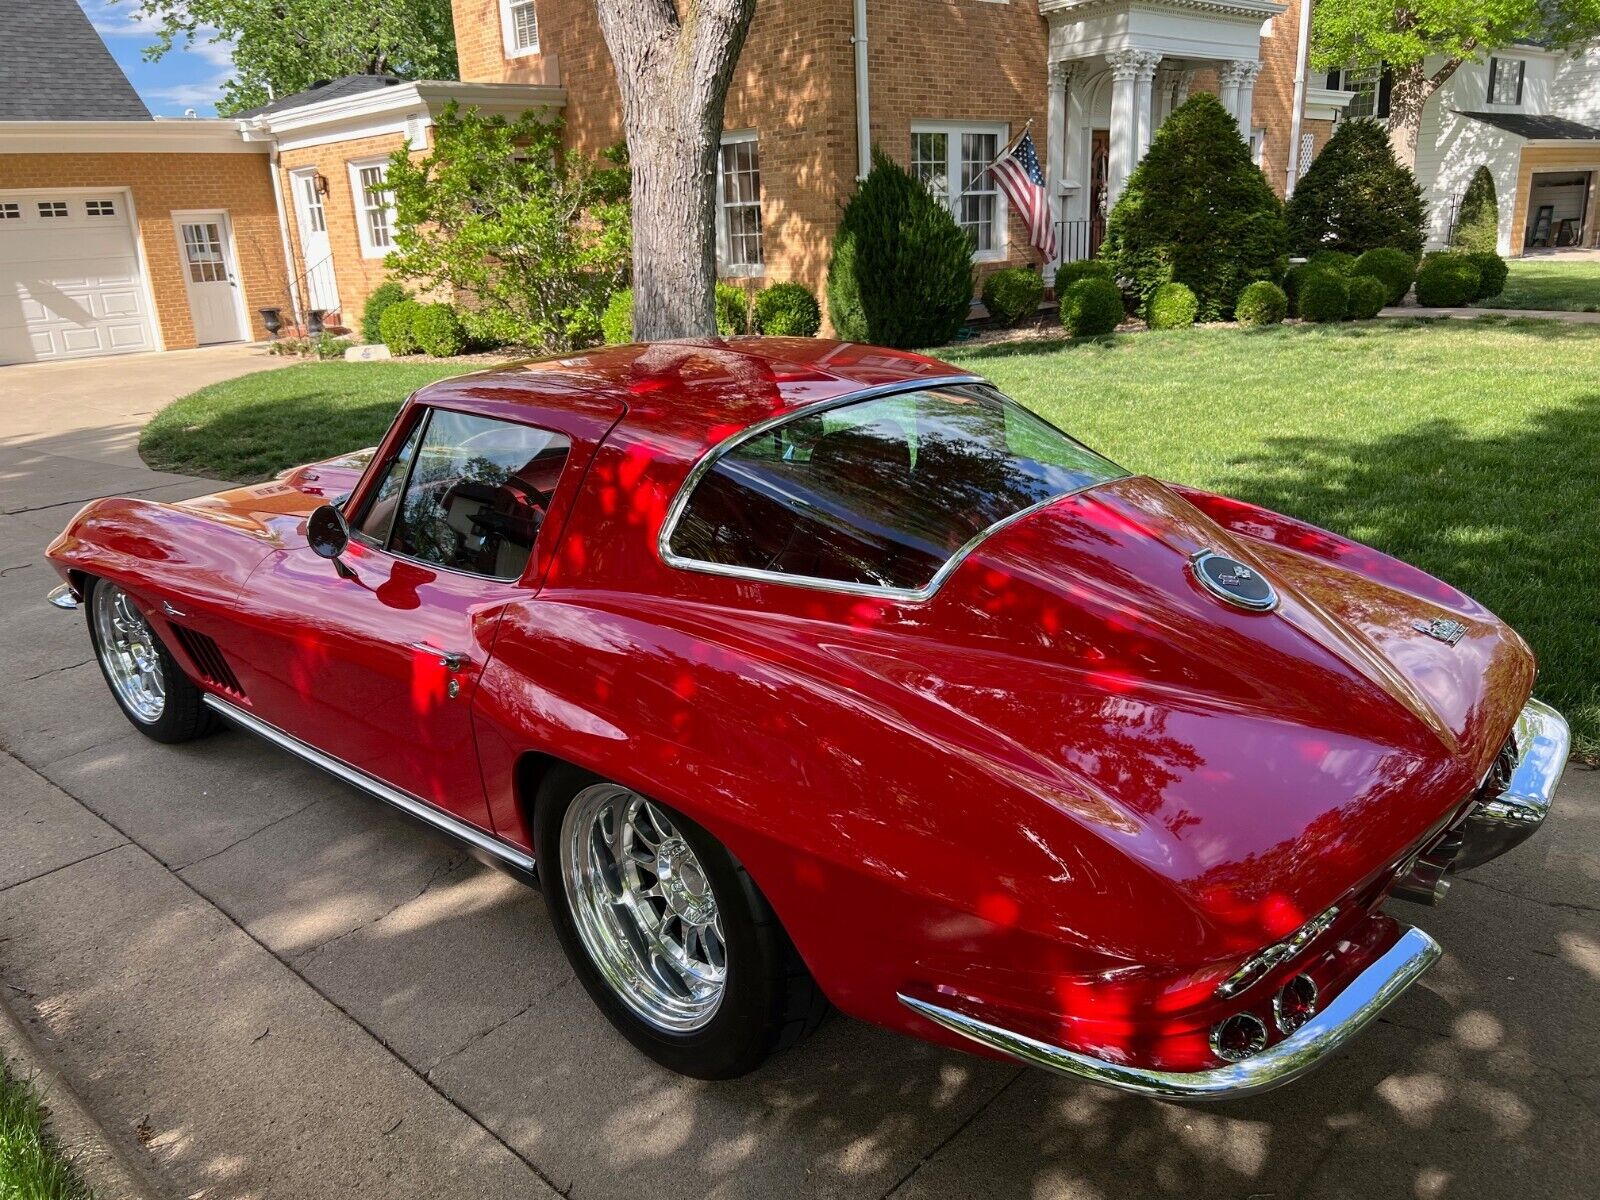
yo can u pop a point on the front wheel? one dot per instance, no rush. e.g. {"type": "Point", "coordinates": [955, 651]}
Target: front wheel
{"type": "Point", "coordinates": [666, 931]}
{"type": "Point", "coordinates": [150, 688]}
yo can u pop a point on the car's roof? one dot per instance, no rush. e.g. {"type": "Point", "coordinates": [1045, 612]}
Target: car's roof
{"type": "Point", "coordinates": [686, 396]}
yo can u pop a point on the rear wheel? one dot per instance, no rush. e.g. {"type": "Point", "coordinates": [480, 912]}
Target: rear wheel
{"type": "Point", "coordinates": [149, 686]}
{"type": "Point", "coordinates": [667, 932]}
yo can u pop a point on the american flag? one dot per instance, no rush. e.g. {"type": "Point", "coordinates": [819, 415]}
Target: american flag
{"type": "Point", "coordinates": [1018, 174]}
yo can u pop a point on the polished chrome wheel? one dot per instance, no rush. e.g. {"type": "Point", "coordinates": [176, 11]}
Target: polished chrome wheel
{"type": "Point", "coordinates": [643, 907]}
{"type": "Point", "coordinates": [129, 653]}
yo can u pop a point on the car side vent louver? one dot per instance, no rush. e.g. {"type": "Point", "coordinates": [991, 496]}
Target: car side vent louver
{"type": "Point", "coordinates": [208, 657]}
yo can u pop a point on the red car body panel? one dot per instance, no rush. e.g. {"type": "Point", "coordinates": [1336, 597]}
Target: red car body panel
{"type": "Point", "coordinates": [1069, 792]}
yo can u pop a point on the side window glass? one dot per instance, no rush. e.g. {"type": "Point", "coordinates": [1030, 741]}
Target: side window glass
{"type": "Point", "coordinates": [376, 521]}
{"type": "Point", "coordinates": [478, 493]}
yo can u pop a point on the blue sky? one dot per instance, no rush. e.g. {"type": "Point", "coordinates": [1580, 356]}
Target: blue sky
{"type": "Point", "coordinates": [184, 79]}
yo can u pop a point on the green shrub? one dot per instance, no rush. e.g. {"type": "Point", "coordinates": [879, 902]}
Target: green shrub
{"type": "Point", "coordinates": [1447, 281]}
{"type": "Point", "coordinates": [1356, 196]}
{"type": "Point", "coordinates": [733, 310]}
{"type": "Point", "coordinates": [901, 272]}
{"type": "Point", "coordinates": [787, 310]}
{"type": "Point", "coordinates": [1069, 273]}
{"type": "Point", "coordinates": [1478, 221]}
{"type": "Point", "coordinates": [1335, 261]}
{"type": "Point", "coordinates": [616, 322]}
{"type": "Point", "coordinates": [1395, 269]}
{"type": "Point", "coordinates": [396, 328]}
{"type": "Point", "coordinates": [1323, 296]}
{"type": "Point", "coordinates": [1012, 294]}
{"type": "Point", "coordinates": [1367, 297]}
{"type": "Point", "coordinates": [384, 297]}
{"type": "Point", "coordinates": [1492, 274]}
{"type": "Point", "coordinates": [438, 331]}
{"type": "Point", "coordinates": [1292, 279]}
{"type": "Point", "coordinates": [1262, 303]}
{"type": "Point", "coordinates": [1197, 211]}
{"type": "Point", "coordinates": [1171, 306]}
{"type": "Point", "coordinates": [1091, 307]}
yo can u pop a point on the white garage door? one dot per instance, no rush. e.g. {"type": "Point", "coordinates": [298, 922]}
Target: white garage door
{"type": "Point", "coordinates": [69, 278]}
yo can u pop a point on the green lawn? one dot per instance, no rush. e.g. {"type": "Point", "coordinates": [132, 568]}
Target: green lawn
{"type": "Point", "coordinates": [1469, 448]}
{"type": "Point", "coordinates": [30, 1168]}
{"type": "Point", "coordinates": [1550, 283]}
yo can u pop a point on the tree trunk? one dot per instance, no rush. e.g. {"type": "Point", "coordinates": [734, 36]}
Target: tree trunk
{"type": "Point", "coordinates": [673, 73]}
{"type": "Point", "coordinates": [1409, 95]}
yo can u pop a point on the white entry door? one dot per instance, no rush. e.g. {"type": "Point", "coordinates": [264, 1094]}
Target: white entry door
{"type": "Point", "coordinates": [70, 283]}
{"type": "Point", "coordinates": [321, 289]}
{"type": "Point", "coordinates": [209, 276]}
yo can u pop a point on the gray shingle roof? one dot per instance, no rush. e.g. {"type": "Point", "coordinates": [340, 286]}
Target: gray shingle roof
{"type": "Point", "coordinates": [1538, 127]}
{"type": "Point", "coordinates": [54, 67]}
{"type": "Point", "coordinates": [346, 85]}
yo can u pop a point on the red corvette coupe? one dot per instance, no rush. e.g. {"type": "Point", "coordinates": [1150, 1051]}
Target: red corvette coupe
{"type": "Point", "coordinates": [809, 670]}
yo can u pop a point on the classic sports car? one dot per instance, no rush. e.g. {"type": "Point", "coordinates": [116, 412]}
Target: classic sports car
{"type": "Point", "coordinates": [808, 670]}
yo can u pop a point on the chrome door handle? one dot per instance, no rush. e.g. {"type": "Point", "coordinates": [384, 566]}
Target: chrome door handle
{"type": "Point", "coordinates": [450, 662]}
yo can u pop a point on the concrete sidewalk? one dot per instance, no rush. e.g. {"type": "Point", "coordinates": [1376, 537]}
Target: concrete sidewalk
{"type": "Point", "coordinates": [264, 984]}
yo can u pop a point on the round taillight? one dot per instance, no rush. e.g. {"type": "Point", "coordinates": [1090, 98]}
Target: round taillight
{"type": "Point", "coordinates": [1238, 1037]}
{"type": "Point", "coordinates": [1295, 1003]}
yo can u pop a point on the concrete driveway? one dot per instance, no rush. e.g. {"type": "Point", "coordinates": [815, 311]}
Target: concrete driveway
{"type": "Point", "coordinates": [264, 984]}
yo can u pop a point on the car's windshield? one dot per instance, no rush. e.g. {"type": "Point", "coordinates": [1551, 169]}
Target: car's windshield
{"type": "Point", "coordinates": [880, 493]}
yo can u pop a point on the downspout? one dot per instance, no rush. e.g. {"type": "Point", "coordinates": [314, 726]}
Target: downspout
{"type": "Point", "coordinates": [863, 97]}
{"type": "Point", "coordinates": [1301, 58]}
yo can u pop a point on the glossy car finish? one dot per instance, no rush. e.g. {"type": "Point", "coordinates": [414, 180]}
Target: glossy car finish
{"type": "Point", "coordinates": [1064, 795]}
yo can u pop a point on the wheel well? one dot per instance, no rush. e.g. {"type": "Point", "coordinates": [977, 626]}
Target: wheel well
{"type": "Point", "coordinates": [530, 771]}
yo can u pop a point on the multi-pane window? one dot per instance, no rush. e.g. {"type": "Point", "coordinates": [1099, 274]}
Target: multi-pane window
{"type": "Point", "coordinates": [1367, 84]}
{"type": "Point", "coordinates": [101, 208]}
{"type": "Point", "coordinates": [1505, 80]}
{"type": "Point", "coordinates": [10, 212]}
{"type": "Point", "coordinates": [52, 208]}
{"type": "Point", "coordinates": [520, 22]}
{"type": "Point", "coordinates": [202, 248]}
{"type": "Point", "coordinates": [953, 163]}
{"type": "Point", "coordinates": [739, 206]}
{"type": "Point", "coordinates": [316, 220]}
{"type": "Point", "coordinates": [376, 205]}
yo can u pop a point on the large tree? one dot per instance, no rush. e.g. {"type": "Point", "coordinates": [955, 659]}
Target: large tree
{"type": "Point", "coordinates": [674, 60]}
{"type": "Point", "coordinates": [283, 46]}
{"type": "Point", "coordinates": [1424, 43]}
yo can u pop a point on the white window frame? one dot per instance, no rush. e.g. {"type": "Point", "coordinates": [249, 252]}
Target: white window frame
{"type": "Point", "coordinates": [725, 265]}
{"type": "Point", "coordinates": [1498, 63]}
{"type": "Point", "coordinates": [1002, 214]}
{"type": "Point", "coordinates": [508, 28]}
{"type": "Point", "coordinates": [358, 196]}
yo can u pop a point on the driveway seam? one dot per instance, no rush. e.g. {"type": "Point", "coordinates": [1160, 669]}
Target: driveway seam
{"type": "Point", "coordinates": [154, 487]}
{"type": "Point", "coordinates": [954, 1133]}
{"type": "Point", "coordinates": [62, 867]}
{"type": "Point", "coordinates": [205, 858]}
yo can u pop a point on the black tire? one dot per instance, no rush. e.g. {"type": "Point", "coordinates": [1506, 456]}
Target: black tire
{"type": "Point", "coordinates": [184, 715]}
{"type": "Point", "coordinates": [770, 1001]}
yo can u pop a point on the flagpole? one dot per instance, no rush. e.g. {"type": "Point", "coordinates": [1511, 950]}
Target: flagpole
{"type": "Point", "coordinates": [1006, 149]}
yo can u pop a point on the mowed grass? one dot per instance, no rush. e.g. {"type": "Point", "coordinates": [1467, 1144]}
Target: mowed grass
{"type": "Point", "coordinates": [1469, 448]}
{"type": "Point", "coordinates": [30, 1168]}
{"type": "Point", "coordinates": [1550, 283]}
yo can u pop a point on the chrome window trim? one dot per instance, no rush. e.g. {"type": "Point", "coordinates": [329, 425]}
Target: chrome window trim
{"type": "Point", "coordinates": [710, 458]}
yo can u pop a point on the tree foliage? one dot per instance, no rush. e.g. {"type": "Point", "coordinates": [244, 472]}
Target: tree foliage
{"type": "Point", "coordinates": [532, 239]}
{"type": "Point", "coordinates": [1356, 196]}
{"type": "Point", "coordinates": [284, 46]}
{"type": "Point", "coordinates": [1478, 221]}
{"type": "Point", "coordinates": [1197, 211]}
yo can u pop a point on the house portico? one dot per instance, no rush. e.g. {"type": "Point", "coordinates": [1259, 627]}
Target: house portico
{"type": "Point", "coordinates": [1117, 70]}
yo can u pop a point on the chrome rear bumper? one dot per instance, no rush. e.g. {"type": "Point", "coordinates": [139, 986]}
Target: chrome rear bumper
{"type": "Point", "coordinates": [61, 596]}
{"type": "Point", "coordinates": [1511, 818]}
{"type": "Point", "coordinates": [1346, 1015]}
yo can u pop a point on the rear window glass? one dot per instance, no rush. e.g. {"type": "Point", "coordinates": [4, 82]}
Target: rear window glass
{"type": "Point", "coordinates": [881, 492]}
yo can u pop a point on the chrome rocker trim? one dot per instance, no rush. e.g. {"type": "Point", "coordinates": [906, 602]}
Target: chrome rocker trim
{"type": "Point", "coordinates": [1511, 818]}
{"type": "Point", "coordinates": [1345, 1016]}
{"type": "Point", "coordinates": [472, 837]}
{"type": "Point", "coordinates": [61, 596]}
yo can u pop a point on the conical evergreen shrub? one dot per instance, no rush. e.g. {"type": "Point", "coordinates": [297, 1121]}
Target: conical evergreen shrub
{"type": "Point", "coordinates": [901, 273]}
{"type": "Point", "coordinates": [1356, 196]}
{"type": "Point", "coordinates": [1478, 221]}
{"type": "Point", "coordinates": [1198, 212]}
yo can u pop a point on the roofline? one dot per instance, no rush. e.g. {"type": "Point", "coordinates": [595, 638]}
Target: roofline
{"type": "Point", "coordinates": [178, 135]}
{"type": "Point", "coordinates": [1554, 143]}
{"type": "Point", "coordinates": [427, 95]}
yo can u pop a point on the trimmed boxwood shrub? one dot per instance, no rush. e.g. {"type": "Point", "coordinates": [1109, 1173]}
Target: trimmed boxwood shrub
{"type": "Point", "coordinates": [1324, 296]}
{"type": "Point", "coordinates": [396, 327]}
{"type": "Point", "coordinates": [384, 297]}
{"type": "Point", "coordinates": [1478, 222]}
{"type": "Point", "coordinates": [901, 272]}
{"type": "Point", "coordinates": [1069, 273]}
{"type": "Point", "coordinates": [1197, 211]}
{"type": "Point", "coordinates": [1447, 281]}
{"type": "Point", "coordinates": [616, 322]}
{"type": "Point", "coordinates": [1336, 261]}
{"type": "Point", "coordinates": [1091, 307]}
{"type": "Point", "coordinates": [1356, 196]}
{"type": "Point", "coordinates": [1492, 274]}
{"type": "Point", "coordinates": [1172, 306]}
{"type": "Point", "coordinates": [437, 331]}
{"type": "Point", "coordinates": [1262, 303]}
{"type": "Point", "coordinates": [1012, 293]}
{"type": "Point", "coordinates": [1395, 269]}
{"type": "Point", "coordinates": [1367, 296]}
{"type": "Point", "coordinates": [1292, 279]}
{"type": "Point", "coordinates": [733, 310]}
{"type": "Point", "coordinates": [787, 310]}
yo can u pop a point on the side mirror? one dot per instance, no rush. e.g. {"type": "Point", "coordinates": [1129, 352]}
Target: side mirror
{"type": "Point", "coordinates": [328, 535]}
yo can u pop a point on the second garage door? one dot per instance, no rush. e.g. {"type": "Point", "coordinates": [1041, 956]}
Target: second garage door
{"type": "Point", "coordinates": [69, 278]}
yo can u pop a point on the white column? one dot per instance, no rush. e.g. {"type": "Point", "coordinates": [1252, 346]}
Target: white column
{"type": "Point", "coordinates": [1144, 101]}
{"type": "Point", "coordinates": [1247, 96]}
{"type": "Point", "coordinates": [1228, 88]}
{"type": "Point", "coordinates": [1167, 77]}
{"type": "Point", "coordinates": [1058, 139]}
{"type": "Point", "coordinates": [1124, 120]}
{"type": "Point", "coordinates": [1180, 96]}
